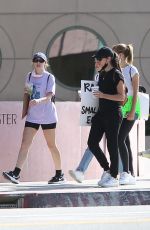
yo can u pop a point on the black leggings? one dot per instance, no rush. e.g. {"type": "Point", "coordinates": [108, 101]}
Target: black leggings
{"type": "Point", "coordinates": [124, 145]}
{"type": "Point", "coordinates": [110, 126]}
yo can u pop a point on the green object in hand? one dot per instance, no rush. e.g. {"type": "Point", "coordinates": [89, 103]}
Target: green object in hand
{"type": "Point", "coordinates": [128, 106]}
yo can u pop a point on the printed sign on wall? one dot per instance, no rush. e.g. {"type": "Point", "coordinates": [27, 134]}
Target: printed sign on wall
{"type": "Point", "coordinates": [89, 103]}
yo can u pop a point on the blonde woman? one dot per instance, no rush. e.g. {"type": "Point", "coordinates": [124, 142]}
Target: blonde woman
{"type": "Point", "coordinates": [130, 111]}
{"type": "Point", "coordinates": [40, 85]}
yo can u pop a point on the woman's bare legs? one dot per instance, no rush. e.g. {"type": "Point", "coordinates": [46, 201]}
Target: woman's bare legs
{"type": "Point", "coordinates": [49, 135]}
{"type": "Point", "coordinates": [27, 138]}
{"type": "Point", "coordinates": [28, 135]}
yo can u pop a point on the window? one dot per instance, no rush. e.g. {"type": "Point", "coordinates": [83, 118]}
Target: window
{"type": "Point", "coordinates": [70, 56]}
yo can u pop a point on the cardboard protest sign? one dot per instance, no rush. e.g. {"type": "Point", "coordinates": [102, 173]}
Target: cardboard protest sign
{"type": "Point", "coordinates": [89, 103]}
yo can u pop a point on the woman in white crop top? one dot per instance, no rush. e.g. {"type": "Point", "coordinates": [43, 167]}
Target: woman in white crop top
{"type": "Point", "coordinates": [130, 111]}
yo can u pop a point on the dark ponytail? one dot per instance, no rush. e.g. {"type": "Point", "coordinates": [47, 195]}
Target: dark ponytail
{"type": "Point", "coordinates": [115, 62]}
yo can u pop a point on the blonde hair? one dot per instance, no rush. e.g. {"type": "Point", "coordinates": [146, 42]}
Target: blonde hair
{"type": "Point", "coordinates": [127, 50]}
{"type": "Point", "coordinates": [46, 65]}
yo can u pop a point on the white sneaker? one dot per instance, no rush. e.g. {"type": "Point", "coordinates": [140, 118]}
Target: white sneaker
{"type": "Point", "coordinates": [77, 175]}
{"type": "Point", "coordinates": [126, 179]}
{"type": "Point", "coordinates": [105, 176]}
{"type": "Point", "coordinates": [111, 182]}
{"type": "Point", "coordinates": [132, 180]}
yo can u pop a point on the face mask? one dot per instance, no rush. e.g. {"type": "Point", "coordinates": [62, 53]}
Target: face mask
{"type": "Point", "coordinates": [104, 67]}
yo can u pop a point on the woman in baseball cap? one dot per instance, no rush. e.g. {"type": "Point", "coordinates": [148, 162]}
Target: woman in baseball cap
{"type": "Point", "coordinates": [40, 112]}
{"type": "Point", "coordinates": [109, 116]}
{"type": "Point", "coordinates": [104, 52]}
{"type": "Point", "coordinates": [107, 120]}
{"type": "Point", "coordinates": [39, 56]}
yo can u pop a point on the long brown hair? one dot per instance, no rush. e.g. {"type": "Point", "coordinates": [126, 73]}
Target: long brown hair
{"type": "Point", "coordinates": [115, 62]}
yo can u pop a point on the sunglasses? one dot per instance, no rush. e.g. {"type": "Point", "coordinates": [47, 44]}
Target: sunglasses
{"type": "Point", "coordinates": [36, 60]}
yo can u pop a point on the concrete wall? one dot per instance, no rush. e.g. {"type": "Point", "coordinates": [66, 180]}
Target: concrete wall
{"type": "Point", "coordinates": [28, 26]}
{"type": "Point", "coordinates": [71, 140]}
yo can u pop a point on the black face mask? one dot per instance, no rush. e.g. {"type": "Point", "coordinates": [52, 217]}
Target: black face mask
{"type": "Point", "coordinates": [104, 67]}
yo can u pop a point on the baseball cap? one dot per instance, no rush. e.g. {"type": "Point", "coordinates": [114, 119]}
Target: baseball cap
{"type": "Point", "coordinates": [104, 52]}
{"type": "Point", "coordinates": [40, 55]}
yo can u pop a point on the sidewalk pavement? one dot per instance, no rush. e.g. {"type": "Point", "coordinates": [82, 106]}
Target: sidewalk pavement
{"type": "Point", "coordinates": [72, 194]}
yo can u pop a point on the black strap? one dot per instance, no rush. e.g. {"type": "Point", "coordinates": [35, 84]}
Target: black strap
{"type": "Point", "coordinates": [30, 76]}
{"type": "Point", "coordinates": [141, 88]}
{"type": "Point", "coordinates": [47, 81]}
{"type": "Point", "coordinates": [53, 96]}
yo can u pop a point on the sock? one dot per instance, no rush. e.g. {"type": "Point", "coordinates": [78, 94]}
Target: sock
{"type": "Point", "coordinates": [16, 171]}
{"type": "Point", "coordinates": [58, 172]}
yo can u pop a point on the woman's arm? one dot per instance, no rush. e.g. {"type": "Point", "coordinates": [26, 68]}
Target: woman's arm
{"type": "Point", "coordinates": [41, 100]}
{"type": "Point", "coordinates": [135, 86]}
{"type": "Point", "coordinates": [120, 96]}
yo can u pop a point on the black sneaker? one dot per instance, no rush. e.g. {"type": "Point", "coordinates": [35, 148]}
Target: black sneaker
{"type": "Point", "coordinates": [57, 179]}
{"type": "Point", "coordinates": [10, 176]}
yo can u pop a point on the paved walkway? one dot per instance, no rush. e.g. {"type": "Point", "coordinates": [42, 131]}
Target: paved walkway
{"type": "Point", "coordinates": [72, 194]}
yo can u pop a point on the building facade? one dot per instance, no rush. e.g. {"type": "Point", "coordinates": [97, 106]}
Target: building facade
{"type": "Point", "coordinates": [68, 31]}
